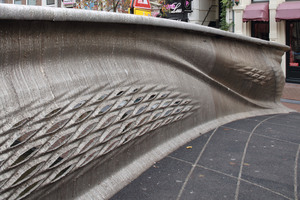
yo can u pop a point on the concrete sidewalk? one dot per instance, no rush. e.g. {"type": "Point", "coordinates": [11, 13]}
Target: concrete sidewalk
{"type": "Point", "coordinates": [254, 158]}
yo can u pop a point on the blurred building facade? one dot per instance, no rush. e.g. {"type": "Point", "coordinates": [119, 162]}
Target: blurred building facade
{"type": "Point", "coordinates": [50, 3]}
{"type": "Point", "coordinates": [205, 12]}
{"type": "Point", "coordinates": [273, 20]}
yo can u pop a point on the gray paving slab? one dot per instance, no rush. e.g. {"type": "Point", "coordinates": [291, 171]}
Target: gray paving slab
{"type": "Point", "coordinates": [291, 119]}
{"type": "Point", "coordinates": [280, 131]}
{"type": "Point", "coordinates": [224, 151]}
{"type": "Point", "coordinates": [162, 181]}
{"type": "Point", "coordinates": [250, 191]}
{"type": "Point", "coordinates": [297, 190]}
{"type": "Point", "coordinates": [244, 124]}
{"type": "Point", "coordinates": [192, 149]}
{"type": "Point", "coordinates": [259, 118]}
{"type": "Point", "coordinates": [271, 163]}
{"type": "Point", "coordinates": [205, 184]}
{"type": "Point", "coordinates": [254, 158]}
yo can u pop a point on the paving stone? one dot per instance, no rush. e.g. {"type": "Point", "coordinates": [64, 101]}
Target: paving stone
{"type": "Point", "coordinates": [162, 181]}
{"type": "Point", "coordinates": [290, 119]}
{"type": "Point", "coordinates": [280, 131]}
{"type": "Point", "coordinates": [205, 184]}
{"type": "Point", "coordinates": [298, 178]}
{"type": "Point", "coordinates": [295, 107]}
{"type": "Point", "coordinates": [243, 124]}
{"type": "Point", "coordinates": [225, 150]}
{"type": "Point", "coordinates": [249, 191]}
{"type": "Point", "coordinates": [271, 164]}
{"type": "Point", "coordinates": [260, 118]}
{"type": "Point", "coordinates": [191, 154]}
{"type": "Point", "coordinates": [291, 91]}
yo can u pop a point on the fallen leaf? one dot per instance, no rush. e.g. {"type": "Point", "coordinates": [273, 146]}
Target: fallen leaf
{"type": "Point", "coordinates": [201, 176]}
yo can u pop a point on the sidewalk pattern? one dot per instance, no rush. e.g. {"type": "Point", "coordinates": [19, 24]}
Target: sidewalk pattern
{"type": "Point", "coordinates": [254, 158]}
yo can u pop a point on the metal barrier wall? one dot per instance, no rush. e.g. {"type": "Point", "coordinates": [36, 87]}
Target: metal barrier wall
{"type": "Point", "coordinates": [89, 100]}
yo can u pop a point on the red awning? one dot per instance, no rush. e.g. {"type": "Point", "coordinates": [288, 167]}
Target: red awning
{"type": "Point", "coordinates": [288, 10]}
{"type": "Point", "coordinates": [256, 12]}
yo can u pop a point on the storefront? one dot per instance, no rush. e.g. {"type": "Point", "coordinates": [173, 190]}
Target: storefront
{"type": "Point", "coordinates": [176, 10]}
{"type": "Point", "coordinates": [293, 57]}
{"type": "Point", "coordinates": [50, 3]}
{"type": "Point", "coordinates": [258, 15]}
{"type": "Point", "coordinates": [290, 12]}
{"type": "Point", "coordinates": [274, 20]}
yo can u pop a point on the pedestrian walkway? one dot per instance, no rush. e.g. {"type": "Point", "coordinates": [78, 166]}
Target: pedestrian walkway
{"type": "Point", "coordinates": [291, 96]}
{"type": "Point", "coordinates": [253, 158]}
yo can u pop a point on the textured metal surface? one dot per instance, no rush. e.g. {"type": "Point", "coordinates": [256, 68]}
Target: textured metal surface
{"type": "Point", "coordinates": [89, 100]}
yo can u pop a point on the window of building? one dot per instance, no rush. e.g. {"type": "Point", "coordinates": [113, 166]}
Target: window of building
{"type": "Point", "coordinates": [18, 2]}
{"type": "Point", "coordinates": [31, 2]}
{"type": "Point", "coordinates": [293, 56]}
{"type": "Point", "coordinates": [260, 30]}
{"type": "Point", "coordinates": [257, 1]}
{"type": "Point", "coordinates": [50, 2]}
{"type": "Point", "coordinates": [294, 43]}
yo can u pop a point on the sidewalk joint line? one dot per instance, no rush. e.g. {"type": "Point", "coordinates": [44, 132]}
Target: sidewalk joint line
{"type": "Point", "coordinates": [181, 160]}
{"type": "Point", "coordinates": [257, 134]}
{"type": "Point", "coordinates": [244, 180]}
{"type": "Point", "coordinates": [231, 176]}
{"type": "Point", "coordinates": [244, 155]}
{"type": "Point", "coordinates": [295, 173]}
{"type": "Point", "coordinates": [194, 165]}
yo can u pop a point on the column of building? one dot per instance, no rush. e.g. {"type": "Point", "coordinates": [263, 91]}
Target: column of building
{"type": "Point", "coordinates": [239, 26]}
{"type": "Point", "coordinates": [204, 12]}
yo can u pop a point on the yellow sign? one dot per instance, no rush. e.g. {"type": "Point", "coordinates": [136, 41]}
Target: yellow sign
{"type": "Point", "coordinates": [138, 11]}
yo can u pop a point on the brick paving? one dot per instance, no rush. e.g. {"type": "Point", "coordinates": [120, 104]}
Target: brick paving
{"type": "Point", "coordinates": [291, 92]}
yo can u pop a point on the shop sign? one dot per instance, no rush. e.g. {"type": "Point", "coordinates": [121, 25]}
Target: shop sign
{"type": "Point", "coordinates": [68, 2]}
{"type": "Point", "coordinates": [144, 4]}
{"type": "Point", "coordinates": [143, 12]}
{"type": "Point", "coordinates": [178, 6]}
